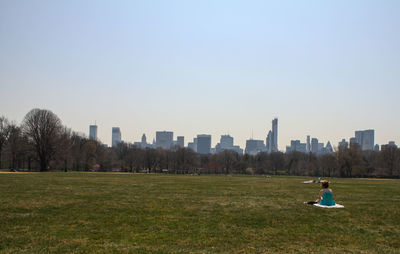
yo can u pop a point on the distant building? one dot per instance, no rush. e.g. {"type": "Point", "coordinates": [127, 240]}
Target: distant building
{"type": "Point", "coordinates": [320, 148]}
{"type": "Point", "coordinates": [204, 144]}
{"type": "Point", "coordinates": [376, 148]}
{"type": "Point", "coordinates": [237, 149]}
{"type": "Point", "coordinates": [164, 139]}
{"type": "Point", "coordinates": [308, 148]}
{"type": "Point", "coordinates": [274, 135]}
{"type": "Point", "coordinates": [93, 132]}
{"type": "Point", "coordinates": [314, 145]}
{"type": "Point", "coordinates": [116, 136]}
{"type": "Point", "coordinates": [390, 144]}
{"type": "Point", "coordinates": [366, 139]}
{"type": "Point", "coordinates": [343, 144]}
{"type": "Point", "coordinates": [328, 148]}
{"type": "Point", "coordinates": [144, 139]}
{"type": "Point", "coordinates": [254, 147]}
{"type": "Point", "coordinates": [271, 142]}
{"type": "Point", "coordinates": [138, 144]}
{"type": "Point", "coordinates": [353, 141]}
{"type": "Point", "coordinates": [192, 146]}
{"type": "Point", "coordinates": [180, 141]}
{"type": "Point", "coordinates": [226, 141]}
{"type": "Point", "coordinates": [296, 146]}
{"type": "Point", "coordinates": [268, 142]}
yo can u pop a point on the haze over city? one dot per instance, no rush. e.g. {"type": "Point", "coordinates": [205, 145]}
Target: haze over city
{"type": "Point", "coordinates": [214, 67]}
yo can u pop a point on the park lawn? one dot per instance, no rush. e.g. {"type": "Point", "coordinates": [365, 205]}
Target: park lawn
{"type": "Point", "coordinates": [76, 212]}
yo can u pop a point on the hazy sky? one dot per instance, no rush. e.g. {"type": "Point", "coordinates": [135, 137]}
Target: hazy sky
{"type": "Point", "coordinates": [324, 68]}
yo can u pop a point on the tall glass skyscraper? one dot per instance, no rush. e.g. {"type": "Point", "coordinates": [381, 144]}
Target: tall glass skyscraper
{"type": "Point", "coordinates": [93, 132]}
{"type": "Point", "coordinates": [274, 135]}
{"type": "Point", "coordinates": [116, 136]}
{"type": "Point", "coordinates": [366, 139]}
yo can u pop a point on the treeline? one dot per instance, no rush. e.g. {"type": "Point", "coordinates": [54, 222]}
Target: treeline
{"type": "Point", "coordinates": [42, 143]}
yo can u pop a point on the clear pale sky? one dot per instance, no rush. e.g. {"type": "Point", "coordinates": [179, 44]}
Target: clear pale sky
{"type": "Point", "coordinates": [324, 68]}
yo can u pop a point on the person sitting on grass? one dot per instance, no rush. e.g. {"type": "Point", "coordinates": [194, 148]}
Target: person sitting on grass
{"type": "Point", "coordinates": [325, 196]}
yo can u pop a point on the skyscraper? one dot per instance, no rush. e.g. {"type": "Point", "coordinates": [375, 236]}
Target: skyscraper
{"type": "Point", "coordinates": [226, 142]}
{"type": "Point", "coordinates": [93, 132]}
{"type": "Point", "coordinates": [314, 145]}
{"type": "Point", "coordinates": [180, 141]}
{"type": "Point", "coordinates": [164, 139]}
{"type": "Point", "coordinates": [343, 144]}
{"type": "Point", "coordinates": [144, 140]}
{"type": "Point", "coordinates": [366, 139]}
{"type": "Point", "coordinates": [203, 144]}
{"type": "Point", "coordinates": [254, 147]}
{"type": "Point", "coordinates": [116, 136]}
{"type": "Point", "coordinates": [268, 142]}
{"type": "Point", "coordinates": [274, 147]}
{"type": "Point", "coordinates": [308, 148]}
{"type": "Point", "coordinates": [328, 148]}
{"type": "Point", "coordinates": [193, 145]}
{"type": "Point", "coordinates": [296, 146]}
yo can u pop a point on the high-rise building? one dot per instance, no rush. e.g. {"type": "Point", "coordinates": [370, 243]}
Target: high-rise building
{"type": "Point", "coordinates": [343, 144]}
{"type": "Point", "coordinates": [254, 147]}
{"type": "Point", "coordinates": [268, 143]}
{"type": "Point", "coordinates": [144, 140]}
{"type": "Point", "coordinates": [203, 144]}
{"type": "Point", "coordinates": [391, 144]}
{"type": "Point", "coordinates": [237, 149]}
{"type": "Point", "coordinates": [275, 135]}
{"type": "Point", "coordinates": [320, 147]}
{"type": "Point", "coordinates": [353, 141]}
{"type": "Point", "coordinates": [193, 145]}
{"type": "Point", "coordinates": [314, 145]}
{"type": "Point", "coordinates": [308, 148]}
{"type": "Point", "coordinates": [366, 139]}
{"type": "Point", "coordinates": [296, 146]}
{"type": "Point", "coordinates": [164, 139]}
{"type": "Point", "coordinates": [93, 132]}
{"type": "Point", "coordinates": [180, 141]}
{"type": "Point", "coordinates": [329, 148]}
{"type": "Point", "coordinates": [226, 142]}
{"type": "Point", "coordinates": [116, 136]}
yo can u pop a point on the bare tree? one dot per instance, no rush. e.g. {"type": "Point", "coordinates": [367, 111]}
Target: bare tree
{"type": "Point", "coordinates": [227, 159]}
{"type": "Point", "coordinates": [14, 146]}
{"type": "Point", "coordinates": [328, 164]}
{"type": "Point", "coordinates": [277, 161]}
{"type": "Point", "coordinates": [43, 127]}
{"type": "Point", "coordinates": [390, 158]}
{"type": "Point", "coordinates": [4, 133]}
{"type": "Point", "coordinates": [348, 159]}
{"type": "Point", "coordinates": [66, 142]}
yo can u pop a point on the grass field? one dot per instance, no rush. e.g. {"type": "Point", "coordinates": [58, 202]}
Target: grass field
{"type": "Point", "coordinates": [138, 213]}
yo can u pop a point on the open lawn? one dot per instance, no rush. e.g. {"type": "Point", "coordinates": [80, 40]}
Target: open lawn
{"type": "Point", "coordinates": [138, 213]}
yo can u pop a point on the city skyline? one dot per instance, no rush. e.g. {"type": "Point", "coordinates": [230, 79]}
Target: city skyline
{"type": "Point", "coordinates": [165, 140]}
{"type": "Point", "coordinates": [219, 67]}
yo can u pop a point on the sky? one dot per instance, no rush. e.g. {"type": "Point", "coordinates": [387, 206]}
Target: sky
{"type": "Point", "coordinates": [323, 68]}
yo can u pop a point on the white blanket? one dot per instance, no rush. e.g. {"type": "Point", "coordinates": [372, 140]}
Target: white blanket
{"type": "Point", "coordinates": [331, 206]}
